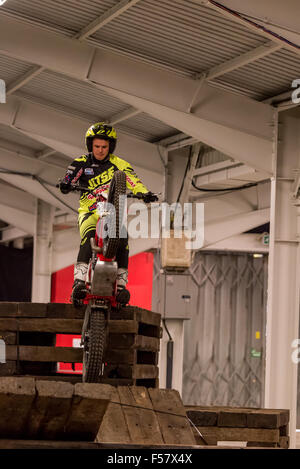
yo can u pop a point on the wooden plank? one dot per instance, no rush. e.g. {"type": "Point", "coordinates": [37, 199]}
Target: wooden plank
{"type": "Point", "coordinates": [238, 417]}
{"type": "Point", "coordinates": [89, 403]}
{"type": "Point", "coordinates": [69, 445]}
{"type": "Point", "coordinates": [232, 418]}
{"type": "Point", "coordinates": [131, 371]}
{"type": "Point", "coordinates": [123, 326]}
{"type": "Point", "coordinates": [8, 308]}
{"type": "Point", "coordinates": [16, 399]}
{"type": "Point", "coordinates": [214, 434]}
{"type": "Point", "coordinates": [141, 421]}
{"type": "Point", "coordinates": [44, 354]}
{"type": "Point", "coordinates": [54, 325]}
{"type": "Point", "coordinates": [136, 313]}
{"type": "Point", "coordinates": [113, 428]}
{"type": "Point", "coordinates": [147, 343]}
{"type": "Point", "coordinates": [268, 418]}
{"type": "Point", "coordinates": [261, 444]}
{"type": "Point", "coordinates": [148, 317]}
{"type": "Point", "coordinates": [32, 309]}
{"type": "Point", "coordinates": [203, 417]}
{"type": "Point", "coordinates": [173, 422]}
{"type": "Point", "coordinates": [50, 410]}
{"type": "Point", "coordinates": [65, 311]}
{"type": "Point", "coordinates": [145, 371]}
{"type": "Point", "coordinates": [125, 341]}
{"type": "Point", "coordinates": [12, 309]}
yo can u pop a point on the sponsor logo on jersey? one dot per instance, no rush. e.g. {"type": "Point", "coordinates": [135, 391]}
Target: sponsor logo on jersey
{"type": "Point", "coordinates": [89, 171]}
{"type": "Point", "coordinates": [102, 178]}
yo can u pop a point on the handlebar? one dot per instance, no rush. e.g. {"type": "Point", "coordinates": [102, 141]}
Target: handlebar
{"type": "Point", "coordinates": [77, 187]}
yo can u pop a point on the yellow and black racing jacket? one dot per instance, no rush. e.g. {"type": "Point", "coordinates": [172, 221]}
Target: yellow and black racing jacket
{"type": "Point", "coordinates": [96, 174]}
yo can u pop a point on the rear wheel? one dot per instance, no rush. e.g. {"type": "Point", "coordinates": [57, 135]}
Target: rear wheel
{"type": "Point", "coordinates": [113, 222]}
{"type": "Point", "coordinates": [94, 345]}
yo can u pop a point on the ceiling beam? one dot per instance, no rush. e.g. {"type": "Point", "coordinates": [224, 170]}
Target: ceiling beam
{"type": "Point", "coordinates": [104, 19]}
{"type": "Point", "coordinates": [45, 192]}
{"type": "Point", "coordinates": [244, 133]}
{"type": "Point", "coordinates": [12, 233]}
{"type": "Point", "coordinates": [42, 186]}
{"type": "Point", "coordinates": [71, 145]}
{"type": "Point", "coordinates": [245, 242]}
{"type": "Point", "coordinates": [41, 155]}
{"type": "Point", "coordinates": [13, 197]}
{"type": "Point", "coordinates": [218, 230]}
{"type": "Point", "coordinates": [22, 80]}
{"type": "Point", "coordinates": [121, 116]}
{"type": "Point", "coordinates": [18, 218]}
{"type": "Point", "coordinates": [236, 142]}
{"type": "Point", "coordinates": [174, 142]}
{"type": "Point", "coordinates": [65, 134]}
{"type": "Point", "coordinates": [16, 148]}
{"type": "Point", "coordinates": [242, 60]}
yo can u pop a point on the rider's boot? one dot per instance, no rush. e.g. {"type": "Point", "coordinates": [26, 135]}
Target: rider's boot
{"type": "Point", "coordinates": [123, 295]}
{"type": "Point", "coordinates": [79, 290]}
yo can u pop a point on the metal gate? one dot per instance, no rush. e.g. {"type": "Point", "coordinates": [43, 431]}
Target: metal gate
{"type": "Point", "coordinates": [224, 352]}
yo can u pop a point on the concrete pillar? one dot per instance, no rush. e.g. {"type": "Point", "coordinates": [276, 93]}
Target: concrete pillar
{"type": "Point", "coordinates": [42, 253]}
{"type": "Point", "coordinates": [284, 273]}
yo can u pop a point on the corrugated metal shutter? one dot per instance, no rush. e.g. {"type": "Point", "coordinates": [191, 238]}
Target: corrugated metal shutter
{"type": "Point", "coordinates": [224, 343]}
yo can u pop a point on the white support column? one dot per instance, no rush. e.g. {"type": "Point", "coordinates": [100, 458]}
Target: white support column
{"type": "Point", "coordinates": [42, 255]}
{"type": "Point", "coordinates": [284, 275]}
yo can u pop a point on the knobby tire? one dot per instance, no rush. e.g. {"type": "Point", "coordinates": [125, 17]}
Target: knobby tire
{"type": "Point", "coordinates": [117, 188]}
{"type": "Point", "coordinates": [93, 356]}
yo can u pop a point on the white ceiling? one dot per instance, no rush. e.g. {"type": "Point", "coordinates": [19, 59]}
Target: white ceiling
{"type": "Point", "coordinates": [193, 43]}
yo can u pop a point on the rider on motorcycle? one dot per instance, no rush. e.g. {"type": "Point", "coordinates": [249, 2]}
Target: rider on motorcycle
{"type": "Point", "coordinates": [95, 171]}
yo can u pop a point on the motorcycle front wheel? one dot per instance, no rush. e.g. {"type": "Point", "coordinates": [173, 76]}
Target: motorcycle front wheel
{"type": "Point", "coordinates": [93, 346]}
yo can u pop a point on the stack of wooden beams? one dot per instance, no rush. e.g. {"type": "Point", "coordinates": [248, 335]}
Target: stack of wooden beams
{"type": "Point", "coordinates": [250, 426]}
{"type": "Point", "coordinates": [38, 413]}
{"type": "Point", "coordinates": [51, 410]}
{"type": "Point", "coordinates": [29, 331]}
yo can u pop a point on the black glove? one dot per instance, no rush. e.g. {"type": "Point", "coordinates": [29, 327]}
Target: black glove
{"type": "Point", "coordinates": [149, 197]}
{"type": "Point", "coordinates": [64, 187]}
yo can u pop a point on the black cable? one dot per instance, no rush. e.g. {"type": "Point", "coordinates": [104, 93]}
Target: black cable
{"type": "Point", "coordinates": [41, 181]}
{"type": "Point", "coordinates": [253, 23]}
{"type": "Point", "coordinates": [167, 330]}
{"type": "Point", "coordinates": [185, 172]}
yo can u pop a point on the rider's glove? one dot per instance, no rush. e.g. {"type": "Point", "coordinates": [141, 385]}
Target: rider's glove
{"type": "Point", "coordinates": [64, 187]}
{"type": "Point", "coordinates": [149, 197]}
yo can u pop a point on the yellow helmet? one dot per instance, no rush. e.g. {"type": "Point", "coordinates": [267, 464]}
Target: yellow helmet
{"type": "Point", "coordinates": [103, 131]}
